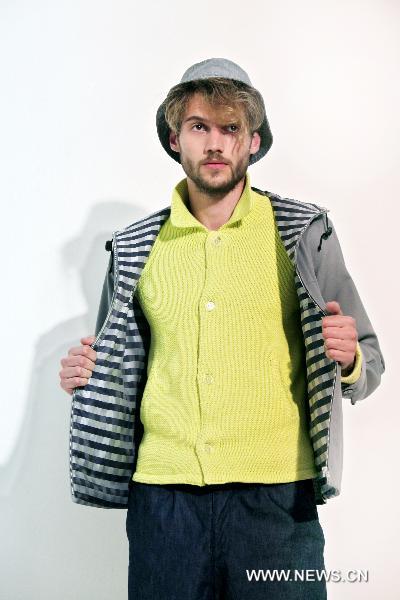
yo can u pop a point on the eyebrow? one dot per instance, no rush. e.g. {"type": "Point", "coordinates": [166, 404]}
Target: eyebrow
{"type": "Point", "coordinates": [197, 118]}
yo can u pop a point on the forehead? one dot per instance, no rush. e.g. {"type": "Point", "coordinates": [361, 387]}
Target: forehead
{"type": "Point", "coordinates": [198, 105]}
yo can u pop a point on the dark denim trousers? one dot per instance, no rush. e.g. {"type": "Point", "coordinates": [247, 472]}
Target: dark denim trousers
{"type": "Point", "coordinates": [218, 542]}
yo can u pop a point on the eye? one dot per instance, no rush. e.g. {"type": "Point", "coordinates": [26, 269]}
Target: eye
{"type": "Point", "coordinates": [236, 128]}
{"type": "Point", "coordinates": [196, 125]}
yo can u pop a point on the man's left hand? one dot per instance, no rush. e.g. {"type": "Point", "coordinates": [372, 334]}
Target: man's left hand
{"type": "Point", "coordinates": [340, 335]}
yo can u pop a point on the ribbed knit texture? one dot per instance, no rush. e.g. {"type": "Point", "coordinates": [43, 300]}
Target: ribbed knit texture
{"type": "Point", "coordinates": [226, 395]}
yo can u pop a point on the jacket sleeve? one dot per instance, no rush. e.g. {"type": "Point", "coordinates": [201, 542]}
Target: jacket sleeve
{"type": "Point", "coordinates": [336, 283]}
{"type": "Point", "coordinates": [106, 295]}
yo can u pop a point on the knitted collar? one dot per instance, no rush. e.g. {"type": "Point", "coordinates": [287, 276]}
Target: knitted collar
{"type": "Point", "coordinates": [182, 217]}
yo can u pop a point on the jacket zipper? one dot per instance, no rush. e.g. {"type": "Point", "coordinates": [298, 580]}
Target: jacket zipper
{"type": "Point", "coordinates": [92, 345]}
{"type": "Point", "coordinates": [109, 308]}
{"type": "Point", "coordinates": [324, 469]}
{"type": "Point", "coordinates": [115, 267]}
{"type": "Point", "coordinates": [324, 312]}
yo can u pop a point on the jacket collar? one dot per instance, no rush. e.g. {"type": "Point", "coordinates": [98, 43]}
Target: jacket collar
{"type": "Point", "coordinates": [182, 217]}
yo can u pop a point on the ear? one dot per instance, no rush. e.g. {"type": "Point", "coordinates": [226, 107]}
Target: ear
{"type": "Point", "coordinates": [255, 143]}
{"type": "Point", "coordinates": [174, 141]}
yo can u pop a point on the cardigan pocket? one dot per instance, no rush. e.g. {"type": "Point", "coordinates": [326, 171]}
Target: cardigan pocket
{"type": "Point", "coordinates": [279, 389]}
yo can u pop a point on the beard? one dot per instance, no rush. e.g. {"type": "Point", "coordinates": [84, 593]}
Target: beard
{"type": "Point", "coordinates": [214, 185]}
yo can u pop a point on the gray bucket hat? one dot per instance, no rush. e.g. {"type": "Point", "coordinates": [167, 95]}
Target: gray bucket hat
{"type": "Point", "coordinates": [213, 67]}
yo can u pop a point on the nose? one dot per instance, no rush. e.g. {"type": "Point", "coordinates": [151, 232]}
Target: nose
{"type": "Point", "coordinates": [214, 141]}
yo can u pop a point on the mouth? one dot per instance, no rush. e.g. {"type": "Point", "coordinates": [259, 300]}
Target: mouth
{"type": "Point", "coordinates": [214, 165]}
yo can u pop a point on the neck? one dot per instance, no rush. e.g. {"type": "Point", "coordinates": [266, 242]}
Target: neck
{"type": "Point", "coordinates": [213, 211]}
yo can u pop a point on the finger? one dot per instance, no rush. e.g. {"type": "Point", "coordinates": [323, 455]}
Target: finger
{"type": "Point", "coordinates": [83, 351]}
{"type": "Point", "coordinates": [333, 307]}
{"type": "Point", "coordinates": [343, 333]}
{"type": "Point", "coordinates": [339, 344]}
{"type": "Point", "coordinates": [70, 392]}
{"type": "Point", "coordinates": [77, 371]}
{"type": "Point", "coordinates": [340, 356]}
{"type": "Point", "coordinates": [78, 360]}
{"type": "Point", "coordinates": [89, 339]}
{"type": "Point", "coordinates": [338, 320]}
{"type": "Point", "coordinates": [73, 382]}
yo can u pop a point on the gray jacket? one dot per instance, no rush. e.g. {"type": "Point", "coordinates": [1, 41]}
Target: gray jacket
{"type": "Point", "coordinates": [105, 429]}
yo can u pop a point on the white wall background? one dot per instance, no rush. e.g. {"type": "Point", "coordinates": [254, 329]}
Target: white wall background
{"type": "Point", "coordinates": [79, 158]}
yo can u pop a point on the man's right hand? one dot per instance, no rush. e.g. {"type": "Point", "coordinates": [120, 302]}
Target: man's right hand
{"type": "Point", "coordinates": [77, 367]}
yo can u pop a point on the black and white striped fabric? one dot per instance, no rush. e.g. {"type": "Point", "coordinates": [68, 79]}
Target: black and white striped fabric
{"type": "Point", "coordinates": [104, 413]}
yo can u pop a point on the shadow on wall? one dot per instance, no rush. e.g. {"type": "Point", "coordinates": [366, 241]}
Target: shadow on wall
{"type": "Point", "coordinates": [52, 548]}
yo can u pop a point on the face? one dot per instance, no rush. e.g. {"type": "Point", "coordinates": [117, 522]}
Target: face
{"type": "Point", "coordinates": [214, 145]}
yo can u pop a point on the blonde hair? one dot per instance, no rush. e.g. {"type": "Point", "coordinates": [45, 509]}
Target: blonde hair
{"type": "Point", "coordinates": [216, 91]}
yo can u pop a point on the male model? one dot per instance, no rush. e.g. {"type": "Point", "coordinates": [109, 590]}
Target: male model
{"type": "Point", "coordinates": [209, 403]}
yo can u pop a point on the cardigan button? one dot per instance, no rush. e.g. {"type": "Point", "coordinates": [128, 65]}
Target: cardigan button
{"type": "Point", "coordinates": [210, 305]}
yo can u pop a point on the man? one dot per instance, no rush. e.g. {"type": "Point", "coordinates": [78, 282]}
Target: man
{"type": "Point", "coordinates": [209, 401]}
